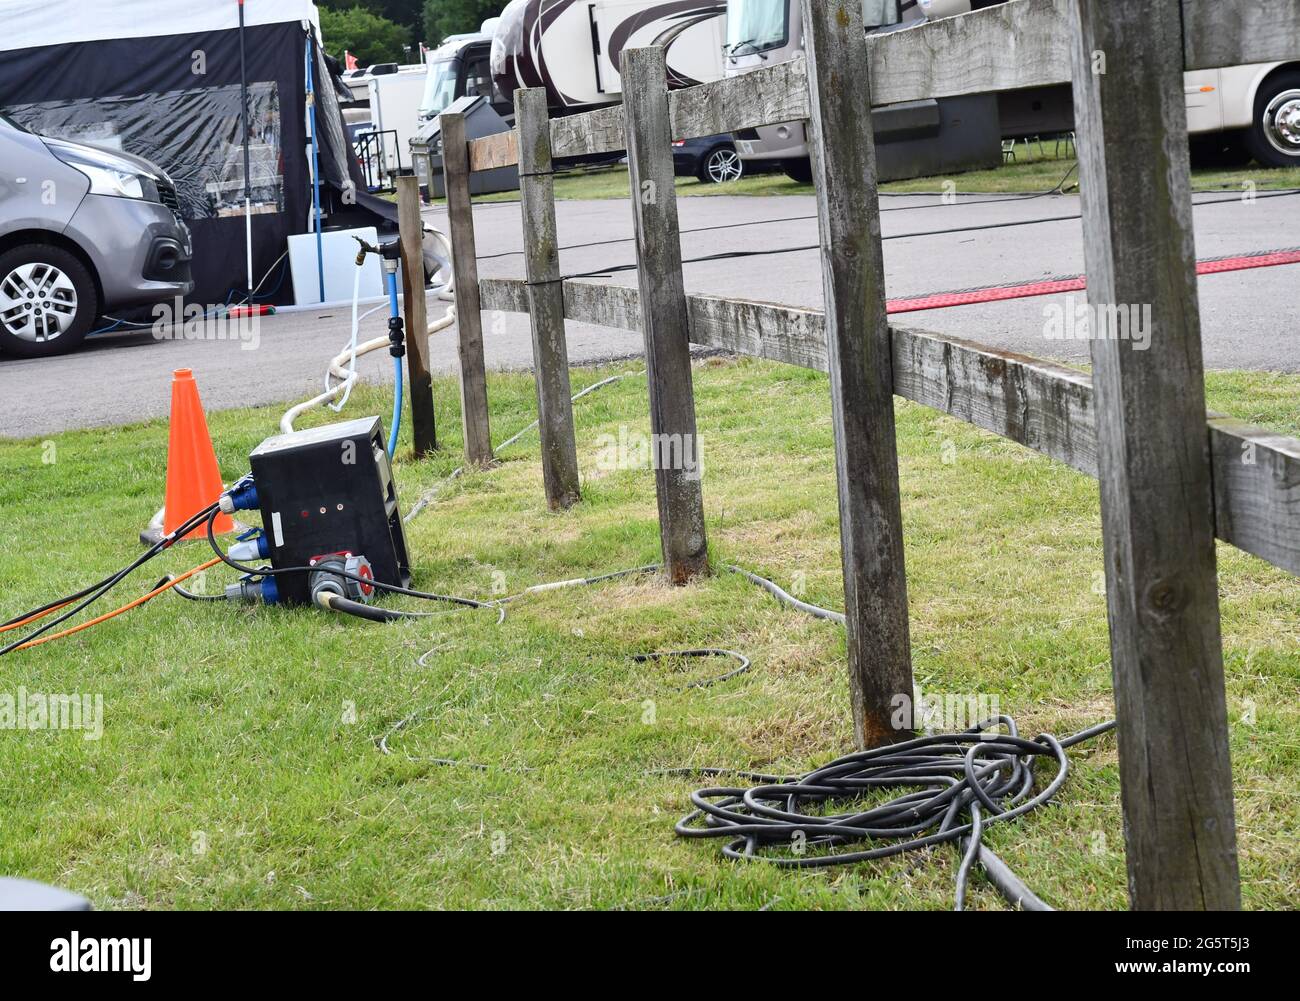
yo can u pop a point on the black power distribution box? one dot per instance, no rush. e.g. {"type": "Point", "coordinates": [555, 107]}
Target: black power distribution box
{"type": "Point", "coordinates": [330, 490]}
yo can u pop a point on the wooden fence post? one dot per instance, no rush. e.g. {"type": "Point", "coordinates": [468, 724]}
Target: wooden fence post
{"type": "Point", "coordinates": [546, 300]}
{"type": "Point", "coordinates": [843, 153]}
{"type": "Point", "coordinates": [420, 388]}
{"type": "Point", "coordinates": [664, 322]}
{"type": "Point", "coordinates": [1153, 456]}
{"type": "Point", "coordinates": [469, 317]}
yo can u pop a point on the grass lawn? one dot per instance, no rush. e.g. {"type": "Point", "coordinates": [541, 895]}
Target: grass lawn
{"type": "Point", "coordinates": [1033, 170]}
{"type": "Point", "coordinates": [238, 765]}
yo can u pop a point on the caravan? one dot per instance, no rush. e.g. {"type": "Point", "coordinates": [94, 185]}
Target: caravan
{"type": "Point", "coordinates": [572, 48]}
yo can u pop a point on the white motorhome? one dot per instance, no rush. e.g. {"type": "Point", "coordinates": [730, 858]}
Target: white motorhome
{"type": "Point", "coordinates": [395, 100]}
{"type": "Point", "coordinates": [460, 67]}
{"type": "Point", "coordinates": [1256, 107]}
{"type": "Point", "coordinates": [573, 47]}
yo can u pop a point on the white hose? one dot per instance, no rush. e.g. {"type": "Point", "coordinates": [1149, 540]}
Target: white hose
{"type": "Point", "coordinates": [352, 346]}
{"type": "Point", "coordinates": [343, 366]}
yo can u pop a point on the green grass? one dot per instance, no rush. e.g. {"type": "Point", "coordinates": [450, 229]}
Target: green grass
{"type": "Point", "coordinates": [1033, 170]}
{"type": "Point", "coordinates": [228, 775]}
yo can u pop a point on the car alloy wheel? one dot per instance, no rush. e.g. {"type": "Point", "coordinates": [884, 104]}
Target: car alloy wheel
{"type": "Point", "coordinates": [724, 165]}
{"type": "Point", "coordinates": [1281, 122]}
{"type": "Point", "coordinates": [38, 302]}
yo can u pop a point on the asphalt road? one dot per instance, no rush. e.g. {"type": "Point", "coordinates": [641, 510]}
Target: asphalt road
{"type": "Point", "coordinates": [1250, 319]}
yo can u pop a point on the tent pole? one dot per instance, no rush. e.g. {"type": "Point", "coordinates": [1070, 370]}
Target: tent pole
{"type": "Point", "coordinates": [248, 177]}
{"type": "Point", "coordinates": [315, 166]}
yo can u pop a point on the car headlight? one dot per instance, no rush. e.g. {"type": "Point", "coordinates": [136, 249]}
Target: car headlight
{"type": "Point", "coordinates": [108, 175]}
{"type": "Point", "coordinates": [120, 183]}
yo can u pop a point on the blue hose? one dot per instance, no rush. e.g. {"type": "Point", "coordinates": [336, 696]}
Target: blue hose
{"type": "Point", "coordinates": [397, 407]}
{"type": "Point", "coordinates": [396, 426]}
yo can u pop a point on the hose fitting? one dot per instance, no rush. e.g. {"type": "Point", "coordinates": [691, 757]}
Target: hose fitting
{"type": "Point", "coordinates": [396, 337]}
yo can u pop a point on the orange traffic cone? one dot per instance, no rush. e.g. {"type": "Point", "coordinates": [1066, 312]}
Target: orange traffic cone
{"type": "Point", "coordinates": [193, 479]}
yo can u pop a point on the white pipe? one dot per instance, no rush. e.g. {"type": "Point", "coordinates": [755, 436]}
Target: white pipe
{"type": "Point", "coordinates": [342, 366]}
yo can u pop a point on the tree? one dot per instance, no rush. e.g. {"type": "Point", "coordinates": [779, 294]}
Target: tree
{"type": "Point", "coordinates": [369, 37]}
{"type": "Point", "coordinates": [452, 17]}
{"type": "Point", "coordinates": [408, 13]}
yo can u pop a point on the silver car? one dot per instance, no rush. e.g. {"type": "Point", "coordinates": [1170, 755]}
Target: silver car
{"type": "Point", "coordinates": [83, 232]}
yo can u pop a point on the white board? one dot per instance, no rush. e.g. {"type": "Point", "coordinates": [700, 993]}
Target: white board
{"type": "Point", "coordinates": [340, 267]}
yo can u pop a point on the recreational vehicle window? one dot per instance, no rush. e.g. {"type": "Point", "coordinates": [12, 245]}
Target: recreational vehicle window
{"type": "Point", "coordinates": [440, 90]}
{"type": "Point", "coordinates": [478, 76]}
{"type": "Point", "coordinates": [755, 25]}
{"type": "Point", "coordinates": [880, 13]}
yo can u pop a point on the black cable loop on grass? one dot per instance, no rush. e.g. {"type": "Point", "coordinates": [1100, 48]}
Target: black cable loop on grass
{"type": "Point", "coordinates": [703, 652]}
{"type": "Point", "coordinates": [949, 781]}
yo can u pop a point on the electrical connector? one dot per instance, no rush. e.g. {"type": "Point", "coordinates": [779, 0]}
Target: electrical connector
{"type": "Point", "coordinates": [251, 547]}
{"type": "Point", "coordinates": [325, 580]}
{"type": "Point", "coordinates": [250, 589]}
{"type": "Point", "coordinates": [240, 497]}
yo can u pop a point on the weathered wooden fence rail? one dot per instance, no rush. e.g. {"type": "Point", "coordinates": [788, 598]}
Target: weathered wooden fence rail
{"type": "Point", "coordinates": [1172, 476]}
{"type": "Point", "coordinates": [1036, 403]}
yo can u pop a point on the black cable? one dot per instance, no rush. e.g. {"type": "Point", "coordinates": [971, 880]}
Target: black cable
{"type": "Point", "coordinates": [110, 582]}
{"type": "Point", "coordinates": [370, 581]}
{"type": "Point", "coordinates": [736, 254]}
{"type": "Point", "coordinates": [187, 595]}
{"type": "Point", "coordinates": [706, 652]}
{"type": "Point", "coordinates": [369, 612]}
{"type": "Point", "coordinates": [1010, 196]}
{"type": "Point", "coordinates": [57, 602]}
{"type": "Point", "coordinates": [959, 775]}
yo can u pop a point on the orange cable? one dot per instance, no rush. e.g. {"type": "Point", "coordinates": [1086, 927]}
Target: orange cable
{"type": "Point", "coordinates": [125, 608]}
{"type": "Point", "coordinates": [38, 615]}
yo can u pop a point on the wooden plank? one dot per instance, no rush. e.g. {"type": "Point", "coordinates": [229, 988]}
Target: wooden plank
{"type": "Point", "coordinates": [546, 301]}
{"type": "Point", "coordinates": [1024, 43]}
{"type": "Point", "coordinates": [769, 95]}
{"type": "Point", "coordinates": [600, 131]}
{"type": "Point", "coordinates": [664, 322]}
{"type": "Point", "coordinates": [1153, 458]}
{"type": "Point", "coordinates": [419, 381]}
{"type": "Point", "coordinates": [843, 154]}
{"type": "Point", "coordinates": [469, 318]}
{"type": "Point", "coordinates": [760, 330]}
{"type": "Point", "coordinates": [1218, 34]}
{"type": "Point", "coordinates": [1039, 404]}
{"type": "Point", "coordinates": [764, 96]}
{"type": "Point", "coordinates": [505, 295]}
{"type": "Point", "coordinates": [490, 152]}
{"type": "Point", "coordinates": [1256, 490]}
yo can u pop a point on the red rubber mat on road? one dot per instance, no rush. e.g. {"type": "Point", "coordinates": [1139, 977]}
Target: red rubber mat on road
{"type": "Point", "coordinates": [1026, 290]}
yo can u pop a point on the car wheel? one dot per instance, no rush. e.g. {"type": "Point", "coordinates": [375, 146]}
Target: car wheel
{"type": "Point", "coordinates": [721, 164]}
{"type": "Point", "coordinates": [47, 301]}
{"type": "Point", "coordinates": [799, 170]}
{"type": "Point", "coordinates": [1274, 138]}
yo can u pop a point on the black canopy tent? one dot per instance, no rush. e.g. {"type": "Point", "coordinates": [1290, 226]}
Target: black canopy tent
{"type": "Point", "coordinates": [163, 81]}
